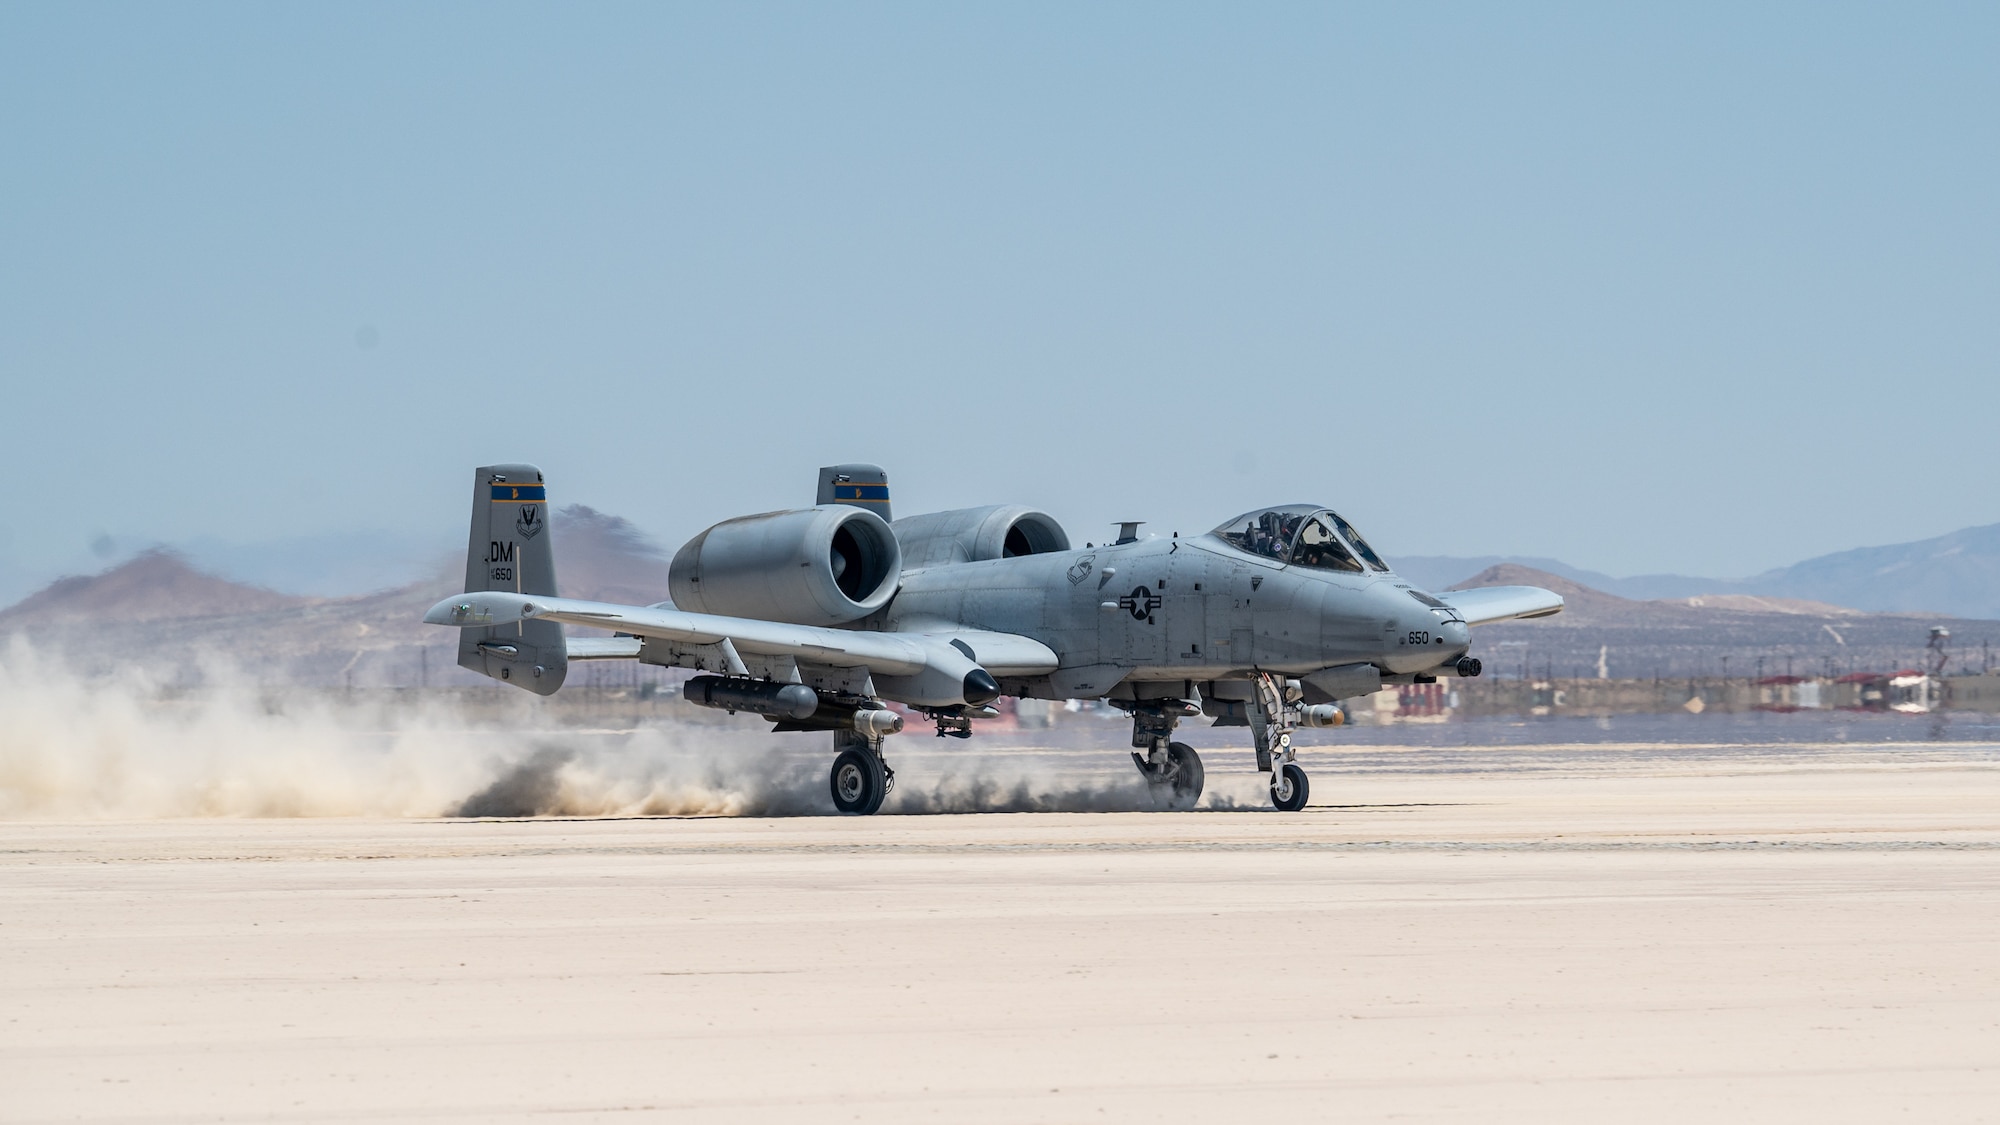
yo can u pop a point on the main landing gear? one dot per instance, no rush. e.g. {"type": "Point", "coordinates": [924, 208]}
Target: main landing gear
{"type": "Point", "coordinates": [860, 777]}
{"type": "Point", "coordinates": [1172, 768]}
{"type": "Point", "coordinates": [1273, 711]}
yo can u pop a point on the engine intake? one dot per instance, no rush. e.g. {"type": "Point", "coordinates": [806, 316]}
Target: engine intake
{"type": "Point", "coordinates": [827, 565]}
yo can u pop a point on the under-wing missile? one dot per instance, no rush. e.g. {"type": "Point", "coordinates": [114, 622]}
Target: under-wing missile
{"type": "Point", "coordinates": [788, 704]}
{"type": "Point", "coordinates": [1321, 715]}
{"type": "Point", "coordinates": [759, 697]}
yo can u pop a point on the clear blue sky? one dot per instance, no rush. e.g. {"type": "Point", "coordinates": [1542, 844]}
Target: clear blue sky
{"type": "Point", "coordinates": [1675, 288]}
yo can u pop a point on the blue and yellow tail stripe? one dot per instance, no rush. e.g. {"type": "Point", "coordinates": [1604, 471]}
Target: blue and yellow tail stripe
{"type": "Point", "coordinates": [519, 494]}
{"type": "Point", "coordinates": [861, 493]}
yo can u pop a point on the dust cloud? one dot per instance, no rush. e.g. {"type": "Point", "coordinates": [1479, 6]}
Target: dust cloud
{"type": "Point", "coordinates": [993, 783]}
{"type": "Point", "coordinates": [662, 772]}
{"type": "Point", "coordinates": [652, 771]}
{"type": "Point", "coordinates": [129, 746]}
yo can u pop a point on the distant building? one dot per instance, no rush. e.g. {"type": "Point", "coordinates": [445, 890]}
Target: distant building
{"type": "Point", "coordinates": [1909, 691]}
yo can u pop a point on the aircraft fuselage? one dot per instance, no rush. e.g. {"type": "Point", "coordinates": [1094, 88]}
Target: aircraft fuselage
{"type": "Point", "coordinates": [1182, 609]}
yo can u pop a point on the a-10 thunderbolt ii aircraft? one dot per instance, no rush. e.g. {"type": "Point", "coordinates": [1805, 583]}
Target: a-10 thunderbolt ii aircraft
{"type": "Point", "coordinates": [814, 617]}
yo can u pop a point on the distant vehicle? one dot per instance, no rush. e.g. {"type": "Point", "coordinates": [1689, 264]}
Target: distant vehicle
{"type": "Point", "coordinates": [814, 617]}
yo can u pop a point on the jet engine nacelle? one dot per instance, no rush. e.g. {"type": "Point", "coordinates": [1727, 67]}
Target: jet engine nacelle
{"type": "Point", "coordinates": [827, 565]}
{"type": "Point", "coordinates": [1003, 531]}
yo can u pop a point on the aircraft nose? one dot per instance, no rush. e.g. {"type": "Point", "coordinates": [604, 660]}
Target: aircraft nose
{"type": "Point", "coordinates": [980, 687]}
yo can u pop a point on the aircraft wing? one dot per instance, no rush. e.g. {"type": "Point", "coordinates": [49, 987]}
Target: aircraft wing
{"type": "Point", "coordinates": [888, 654]}
{"type": "Point", "coordinates": [1484, 605]}
{"type": "Point", "coordinates": [603, 648]}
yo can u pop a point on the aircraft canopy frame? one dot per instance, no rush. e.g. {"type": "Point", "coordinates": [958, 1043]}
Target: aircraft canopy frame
{"type": "Point", "coordinates": [1306, 535]}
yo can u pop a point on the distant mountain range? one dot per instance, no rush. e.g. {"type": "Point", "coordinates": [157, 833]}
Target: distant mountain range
{"type": "Point", "coordinates": [1709, 635]}
{"type": "Point", "coordinates": [163, 611]}
{"type": "Point", "coordinates": [1956, 574]}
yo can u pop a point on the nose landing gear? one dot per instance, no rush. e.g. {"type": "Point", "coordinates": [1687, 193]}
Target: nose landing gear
{"type": "Point", "coordinates": [1289, 788]}
{"type": "Point", "coordinates": [1272, 720]}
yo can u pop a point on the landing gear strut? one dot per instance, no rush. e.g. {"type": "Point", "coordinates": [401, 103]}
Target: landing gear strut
{"type": "Point", "coordinates": [860, 777]}
{"type": "Point", "coordinates": [1272, 720]}
{"type": "Point", "coordinates": [1172, 768]}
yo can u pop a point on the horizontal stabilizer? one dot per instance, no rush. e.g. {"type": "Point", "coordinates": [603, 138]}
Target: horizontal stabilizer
{"type": "Point", "coordinates": [1487, 604]}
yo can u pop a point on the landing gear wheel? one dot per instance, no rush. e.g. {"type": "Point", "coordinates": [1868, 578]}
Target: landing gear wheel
{"type": "Point", "coordinates": [1289, 788]}
{"type": "Point", "coordinates": [859, 782]}
{"type": "Point", "coordinates": [1187, 775]}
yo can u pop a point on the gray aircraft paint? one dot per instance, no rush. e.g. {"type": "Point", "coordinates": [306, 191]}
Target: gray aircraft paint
{"type": "Point", "coordinates": [1206, 621]}
{"type": "Point", "coordinates": [509, 550]}
{"type": "Point", "coordinates": [982, 602]}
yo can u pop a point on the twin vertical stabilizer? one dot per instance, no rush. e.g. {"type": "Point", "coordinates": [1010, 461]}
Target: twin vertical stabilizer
{"type": "Point", "coordinates": [509, 550]}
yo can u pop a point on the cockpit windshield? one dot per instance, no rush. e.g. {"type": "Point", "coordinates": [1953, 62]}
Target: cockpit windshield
{"type": "Point", "coordinates": [1360, 544]}
{"type": "Point", "coordinates": [1302, 535]}
{"type": "Point", "coordinates": [1318, 547]}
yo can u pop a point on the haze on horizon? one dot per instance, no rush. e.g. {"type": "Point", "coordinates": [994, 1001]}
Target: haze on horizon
{"type": "Point", "coordinates": [1696, 289]}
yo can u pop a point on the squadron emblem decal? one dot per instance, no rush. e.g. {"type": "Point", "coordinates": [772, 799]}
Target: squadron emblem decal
{"type": "Point", "coordinates": [1080, 570]}
{"type": "Point", "coordinates": [1141, 602]}
{"type": "Point", "coordinates": [530, 522]}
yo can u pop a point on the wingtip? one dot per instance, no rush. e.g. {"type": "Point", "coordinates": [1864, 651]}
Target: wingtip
{"type": "Point", "coordinates": [452, 611]}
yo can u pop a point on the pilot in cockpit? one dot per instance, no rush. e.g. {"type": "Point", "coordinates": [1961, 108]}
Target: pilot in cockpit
{"type": "Point", "coordinates": [1303, 535]}
{"type": "Point", "coordinates": [1269, 534]}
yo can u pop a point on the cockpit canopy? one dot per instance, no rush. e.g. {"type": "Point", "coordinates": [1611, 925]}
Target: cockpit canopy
{"type": "Point", "coordinates": [1302, 535]}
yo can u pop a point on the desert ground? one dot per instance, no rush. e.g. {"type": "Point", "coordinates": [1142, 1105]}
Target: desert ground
{"type": "Point", "coordinates": [1627, 932]}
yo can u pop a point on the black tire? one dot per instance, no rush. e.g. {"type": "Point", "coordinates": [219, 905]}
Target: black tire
{"type": "Point", "coordinates": [858, 782]}
{"type": "Point", "coordinates": [1289, 788]}
{"type": "Point", "coordinates": [1187, 775]}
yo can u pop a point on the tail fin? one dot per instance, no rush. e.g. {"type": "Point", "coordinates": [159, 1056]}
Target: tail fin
{"type": "Point", "coordinates": [863, 486]}
{"type": "Point", "coordinates": [509, 550]}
